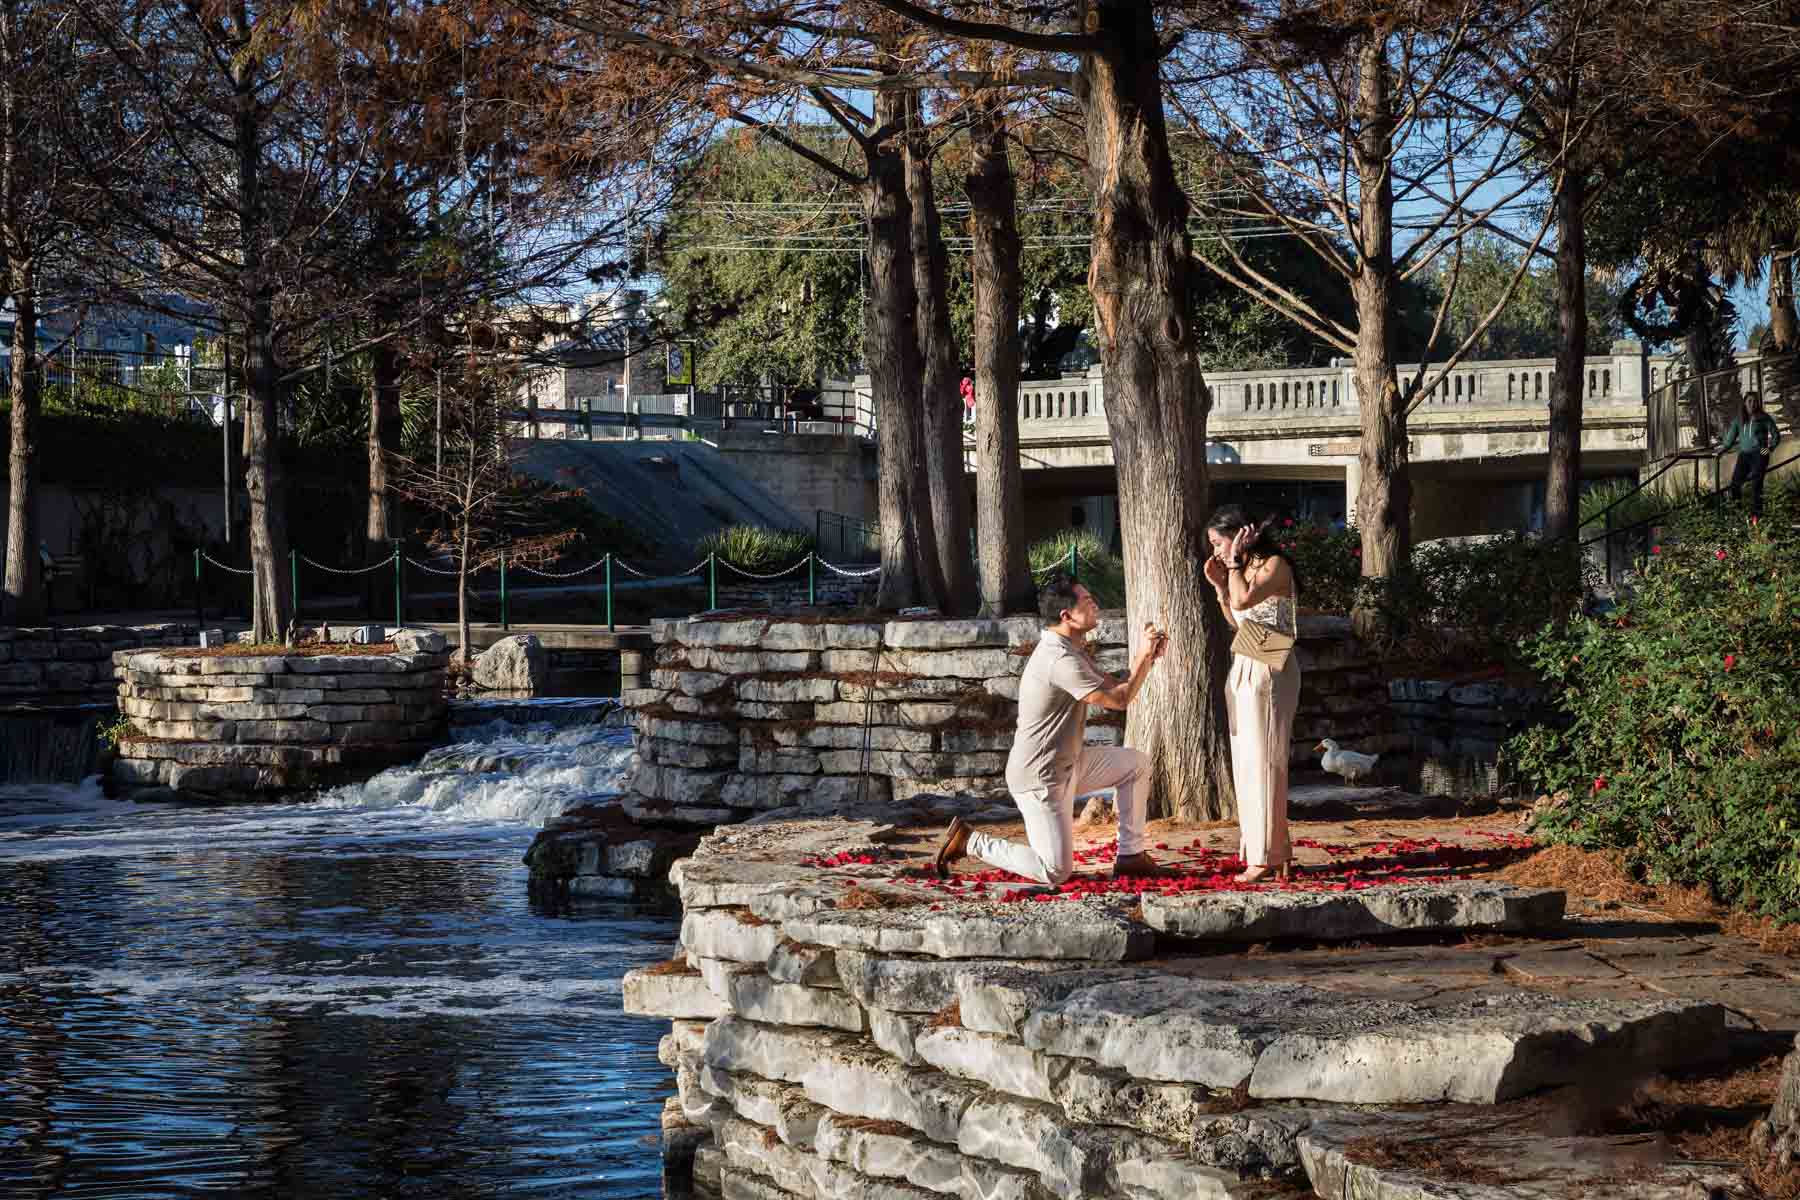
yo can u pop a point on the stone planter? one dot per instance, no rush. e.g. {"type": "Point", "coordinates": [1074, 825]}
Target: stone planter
{"type": "Point", "coordinates": [240, 727]}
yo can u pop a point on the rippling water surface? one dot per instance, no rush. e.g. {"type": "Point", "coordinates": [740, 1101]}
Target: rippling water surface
{"type": "Point", "coordinates": [346, 998]}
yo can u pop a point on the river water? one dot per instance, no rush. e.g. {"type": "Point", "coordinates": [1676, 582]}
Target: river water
{"type": "Point", "coordinates": [345, 998]}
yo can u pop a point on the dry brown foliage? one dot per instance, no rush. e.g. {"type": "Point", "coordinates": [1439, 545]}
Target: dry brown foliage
{"type": "Point", "coordinates": [1429, 1155]}
{"type": "Point", "coordinates": [1591, 874]}
{"type": "Point", "coordinates": [858, 896]}
{"type": "Point", "coordinates": [872, 1125]}
{"type": "Point", "coordinates": [675, 966]}
{"type": "Point", "coordinates": [947, 1017]}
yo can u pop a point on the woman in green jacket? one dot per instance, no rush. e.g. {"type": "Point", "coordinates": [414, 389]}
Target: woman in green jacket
{"type": "Point", "coordinates": [1754, 437]}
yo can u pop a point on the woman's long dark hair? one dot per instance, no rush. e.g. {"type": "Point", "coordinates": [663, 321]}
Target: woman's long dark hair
{"type": "Point", "coordinates": [1229, 518]}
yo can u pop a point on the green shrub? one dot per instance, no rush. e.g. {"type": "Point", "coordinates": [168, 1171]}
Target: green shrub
{"type": "Point", "coordinates": [1679, 744]}
{"type": "Point", "coordinates": [1097, 568]}
{"type": "Point", "coordinates": [1328, 561]}
{"type": "Point", "coordinates": [755, 548]}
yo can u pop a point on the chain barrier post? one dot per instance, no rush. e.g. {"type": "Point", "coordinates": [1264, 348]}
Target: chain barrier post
{"type": "Point", "coordinates": [504, 624]}
{"type": "Point", "coordinates": [199, 606]}
{"type": "Point", "coordinates": [294, 578]}
{"type": "Point", "coordinates": [712, 581]}
{"type": "Point", "coordinates": [812, 570]}
{"type": "Point", "coordinates": [609, 594]}
{"type": "Point", "coordinates": [1074, 564]}
{"type": "Point", "coordinates": [398, 564]}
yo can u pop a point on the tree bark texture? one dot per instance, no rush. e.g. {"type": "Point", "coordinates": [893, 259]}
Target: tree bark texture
{"type": "Point", "coordinates": [1384, 503]}
{"type": "Point", "coordinates": [384, 440]}
{"type": "Point", "coordinates": [1156, 409]}
{"type": "Point", "coordinates": [1005, 571]}
{"type": "Point", "coordinates": [272, 603]}
{"type": "Point", "coordinates": [1782, 377]}
{"type": "Point", "coordinates": [1562, 488]}
{"type": "Point", "coordinates": [909, 564]}
{"type": "Point", "coordinates": [24, 573]}
{"type": "Point", "coordinates": [940, 401]}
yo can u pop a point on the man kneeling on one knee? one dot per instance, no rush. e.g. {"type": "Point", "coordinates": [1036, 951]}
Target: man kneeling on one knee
{"type": "Point", "coordinates": [1051, 764]}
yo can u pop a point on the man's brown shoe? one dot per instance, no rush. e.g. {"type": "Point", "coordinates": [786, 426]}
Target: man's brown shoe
{"type": "Point", "coordinates": [954, 846]}
{"type": "Point", "coordinates": [1142, 866]}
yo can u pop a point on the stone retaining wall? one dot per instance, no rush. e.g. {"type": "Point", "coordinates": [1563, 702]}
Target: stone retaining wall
{"type": "Point", "coordinates": [73, 665]}
{"type": "Point", "coordinates": [829, 591]}
{"type": "Point", "coordinates": [750, 713]}
{"type": "Point", "coordinates": [241, 725]}
{"type": "Point", "coordinates": [1455, 730]}
{"type": "Point", "coordinates": [907, 1047]}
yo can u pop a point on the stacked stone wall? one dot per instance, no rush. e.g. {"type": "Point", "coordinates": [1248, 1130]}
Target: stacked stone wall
{"type": "Point", "coordinates": [902, 1048]}
{"type": "Point", "coordinates": [73, 665]}
{"type": "Point", "coordinates": [750, 713]}
{"type": "Point", "coordinates": [256, 724]}
{"type": "Point", "coordinates": [828, 591]}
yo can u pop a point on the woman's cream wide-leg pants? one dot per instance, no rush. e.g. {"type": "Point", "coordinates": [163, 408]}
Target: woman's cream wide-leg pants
{"type": "Point", "coordinates": [1261, 704]}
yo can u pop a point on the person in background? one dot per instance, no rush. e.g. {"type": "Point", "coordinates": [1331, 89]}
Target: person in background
{"type": "Point", "coordinates": [1051, 764]}
{"type": "Point", "coordinates": [1754, 436]}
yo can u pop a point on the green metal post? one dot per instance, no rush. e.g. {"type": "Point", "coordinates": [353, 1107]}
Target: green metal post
{"type": "Point", "coordinates": [504, 623]}
{"type": "Point", "coordinates": [1074, 563]}
{"type": "Point", "coordinates": [712, 581]}
{"type": "Point", "coordinates": [609, 594]}
{"type": "Point", "coordinates": [398, 606]}
{"type": "Point", "coordinates": [812, 593]}
{"type": "Point", "coordinates": [199, 606]}
{"type": "Point", "coordinates": [294, 579]}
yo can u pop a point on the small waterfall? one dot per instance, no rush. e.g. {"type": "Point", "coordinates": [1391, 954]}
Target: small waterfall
{"type": "Point", "coordinates": [50, 744]}
{"type": "Point", "coordinates": [504, 771]}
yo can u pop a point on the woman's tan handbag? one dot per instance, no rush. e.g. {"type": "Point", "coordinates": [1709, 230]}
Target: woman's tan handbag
{"type": "Point", "coordinates": [1265, 643]}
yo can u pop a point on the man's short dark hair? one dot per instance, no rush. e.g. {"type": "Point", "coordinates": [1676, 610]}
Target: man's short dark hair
{"type": "Point", "coordinates": [1055, 593]}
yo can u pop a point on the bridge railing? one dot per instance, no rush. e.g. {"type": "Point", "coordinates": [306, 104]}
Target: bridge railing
{"type": "Point", "coordinates": [675, 414]}
{"type": "Point", "coordinates": [1688, 412]}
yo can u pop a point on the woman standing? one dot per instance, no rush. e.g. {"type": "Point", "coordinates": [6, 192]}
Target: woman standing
{"type": "Point", "coordinates": [1256, 584]}
{"type": "Point", "coordinates": [1754, 436]}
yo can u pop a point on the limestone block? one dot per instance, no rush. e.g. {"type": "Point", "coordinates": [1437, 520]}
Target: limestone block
{"type": "Point", "coordinates": [724, 933]}
{"type": "Point", "coordinates": [862, 1082]}
{"type": "Point", "coordinates": [785, 691]}
{"type": "Point", "coordinates": [677, 815]}
{"type": "Point", "coordinates": [780, 791]}
{"type": "Point", "coordinates": [850, 737]}
{"type": "Point", "coordinates": [797, 1119]}
{"type": "Point", "coordinates": [1488, 1052]}
{"type": "Point", "coordinates": [974, 742]}
{"type": "Point", "coordinates": [1375, 911]}
{"type": "Point", "coordinates": [1256, 1142]}
{"type": "Point", "coordinates": [754, 995]}
{"type": "Point", "coordinates": [998, 1062]}
{"type": "Point", "coordinates": [758, 710]}
{"type": "Point", "coordinates": [751, 662]}
{"type": "Point", "coordinates": [904, 715]}
{"type": "Point", "coordinates": [898, 1033]}
{"type": "Point", "coordinates": [787, 1055]}
{"type": "Point", "coordinates": [709, 1162]}
{"type": "Point", "coordinates": [999, 997]}
{"type": "Point", "coordinates": [836, 1179]}
{"type": "Point", "coordinates": [721, 633]}
{"type": "Point", "coordinates": [34, 651]}
{"type": "Point", "coordinates": [1096, 932]}
{"type": "Point", "coordinates": [749, 1096]}
{"type": "Point", "coordinates": [518, 663]}
{"type": "Point", "coordinates": [1037, 1137]}
{"type": "Point", "coordinates": [889, 1154]}
{"type": "Point", "coordinates": [946, 664]}
{"type": "Point", "coordinates": [912, 764]}
{"type": "Point", "coordinates": [20, 674]}
{"type": "Point", "coordinates": [419, 641]}
{"type": "Point", "coordinates": [905, 690]}
{"type": "Point", "coordinates": [1158, 1173]}
{"type": "Point", "coordinates": [946, 635]}
{"type": "Point", "coordinates": [687, 754]}
{"type": "Point", "coordinates": [697, 684]}
{"type": "Point", "coordinates": [1168, 1028]}
{"type": "Point", "coordinates": [810, 966]}
{"type": "Point", "coordinates": [240, 695]}
{"type": "Point", "coordinates": [84, 652]}
{"type": "Point", "coordinates": [639, 858]}
{"type": "Point", "coordinates": [984, 1180]}
{"type": "Point", "coordinates": [69, 676]}
{"type": "Point", "coordinates": [641, 697]}
{"type": "Point", "coordinates": [725, 883]}
{"type": "Point", "coordinates": [601, 887]}
{"type": "Point", "coordinates": [253, 712]}
{"type": "Point", "coordinates": [1095, 1096]}
{"type": "Point", "coordinates": [852, 636]}
{"type": "Point", "coordinates": [697, 733]}
{"type": "Point", "coordinates": [778, 760]}
{"type": "Point", "coordinates": [793, 635]}
{"type": "Point", "coordinates": [748, 1147]}
{"type": "Point", "coordinates": [138, 770]}
{"type": "Point", "coordinates": [260, 665]}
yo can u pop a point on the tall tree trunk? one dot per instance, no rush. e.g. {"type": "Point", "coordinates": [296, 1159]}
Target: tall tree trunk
{"type": "Point", "coordinates": [273, 602]}
{"type": "Point", "coordinates": [910, 574]}
{"type": "Point", "coordinates": [999, 493]}
{"type": "Point", "coordinates": [940, 402]}
{"type": "Point", "coordinates": [24, 574]}
{"type": "Point", "coordinates": [1562, 488]}
{"type": "Point", "coordinates": [1384, 503]}
{"type": "Point", "coordinates": [1782, 377]}
{"type": "Point", "coordinates": [384, 440]}
{"type": "Point", "coordinates": [1156, 409]}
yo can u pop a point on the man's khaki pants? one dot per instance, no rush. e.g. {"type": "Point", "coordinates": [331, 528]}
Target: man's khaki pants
{"type": "Point", "coordinates": [1049, 815]}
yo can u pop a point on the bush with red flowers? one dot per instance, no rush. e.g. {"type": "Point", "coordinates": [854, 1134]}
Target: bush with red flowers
{"type": "Point", "coordinates": [1681, 745]}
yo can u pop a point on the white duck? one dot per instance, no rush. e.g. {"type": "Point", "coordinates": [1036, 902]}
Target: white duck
{"type": "Point", "coordinates": [1348, 763]}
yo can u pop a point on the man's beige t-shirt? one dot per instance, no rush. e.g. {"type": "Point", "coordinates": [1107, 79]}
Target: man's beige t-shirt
{"type": "Point", "coordinates": [1052, 718]}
